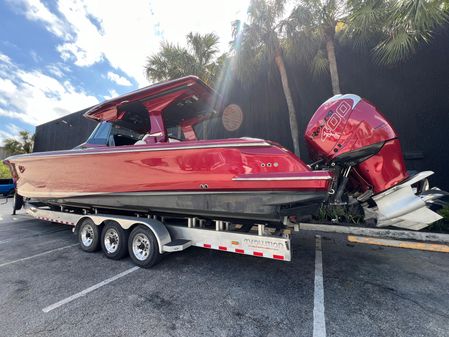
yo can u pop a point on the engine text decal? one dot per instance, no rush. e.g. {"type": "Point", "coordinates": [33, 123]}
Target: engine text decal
{"type": "Point", "coordinates": [332, 120]}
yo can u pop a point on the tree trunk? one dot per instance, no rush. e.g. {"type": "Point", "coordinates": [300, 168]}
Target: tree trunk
{"type": "Point", "coordinates": [288, 97]}
{"type": "Point", "coordinates": [330, 47]}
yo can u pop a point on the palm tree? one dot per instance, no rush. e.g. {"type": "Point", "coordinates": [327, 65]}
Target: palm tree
{"type": "Point", "coordinates": [391, 28]}
{"type": "Point", "coordinates": [23, 145]}
{"type": "Point", "coordinates": [258, 41]}
{"type": "Point", "coordinates": [198, 58]}
{"type": "Point", "coordinates": [311, 28]}
{"type": "Point", "coordinates": [398, 27]}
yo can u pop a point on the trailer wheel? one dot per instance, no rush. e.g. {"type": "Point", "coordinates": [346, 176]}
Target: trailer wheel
{"type": "Point", "coordinates": [143, 247]}
{"type": "Point", "coordinates": [113, 240]}
{"type": "Point", "coordinates": [89, 236]}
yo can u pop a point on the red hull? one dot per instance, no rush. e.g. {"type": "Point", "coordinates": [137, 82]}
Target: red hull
{"type": "Point", "coordinates": [224, 165]}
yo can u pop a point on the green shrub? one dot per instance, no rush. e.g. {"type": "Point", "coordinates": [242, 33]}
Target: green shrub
{"type": "Point", "coordinates": [444, 212]}
{"type": "Point", "coordinates": [443, 224]}
{"type": "Point", "coordinates": [4, 171]}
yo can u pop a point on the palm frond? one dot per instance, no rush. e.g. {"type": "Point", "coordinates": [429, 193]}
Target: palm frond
{"type": "Point", "coordinates": [397, 48]}
{"type": "Point", "coordinates": [408, 23]}
{"type": "Point", "coordinates": [319, 63]}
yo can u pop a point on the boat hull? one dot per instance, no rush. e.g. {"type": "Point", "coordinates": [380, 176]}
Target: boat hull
{"type": "Point", "coordinates": [233, 178]}
{"type": "Point", "coordinates": [257, 205]}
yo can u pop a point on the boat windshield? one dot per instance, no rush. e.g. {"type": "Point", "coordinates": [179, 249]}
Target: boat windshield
{"type": "Point", "coordinates": [130, 125]}
{"type": "Point", "coordinates": [114, 134]}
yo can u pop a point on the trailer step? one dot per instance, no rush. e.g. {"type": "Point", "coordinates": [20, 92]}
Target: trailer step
{"type": "Point", "coordinates": [177, 245]}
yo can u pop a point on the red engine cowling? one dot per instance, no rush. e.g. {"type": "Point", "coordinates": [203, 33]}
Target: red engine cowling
{"type": "Point", "coordinates": [349, 130]}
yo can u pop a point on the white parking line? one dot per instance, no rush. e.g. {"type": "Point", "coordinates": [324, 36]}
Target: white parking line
{"type": "Point", "coordinates": [319, 320]}
{"type": "Point", "coordinates": [88, 290]}
{"type": "Point", "coordinates": [37, 255]}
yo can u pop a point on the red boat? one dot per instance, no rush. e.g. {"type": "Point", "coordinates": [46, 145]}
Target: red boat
{"type": "Point", "coordinates": [146, 156]}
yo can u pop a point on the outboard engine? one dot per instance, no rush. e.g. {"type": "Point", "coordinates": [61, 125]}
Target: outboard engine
{"type": "Point", "coordinates": [349, 136]}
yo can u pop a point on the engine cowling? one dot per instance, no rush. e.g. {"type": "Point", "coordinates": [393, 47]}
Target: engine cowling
{"type": "Point", "coordinates": [349, 130]}
{"type": "Point", "coordinates": [349, 134]}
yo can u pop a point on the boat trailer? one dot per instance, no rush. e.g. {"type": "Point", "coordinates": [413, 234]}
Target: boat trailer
{"type": "Point", "coordinates": [157, 235]}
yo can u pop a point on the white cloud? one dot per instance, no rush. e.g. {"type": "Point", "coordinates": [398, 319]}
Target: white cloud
{"type": "Point", "coordinates": [120, 80]}
{"type": "Point", "coordinates": [36, 58]}
{"type": "Point", "coordinates": [7, 86]}
{"type": "Point", "coordinates": [125, 32]}
{"type": "Point", "coordinates": [202, 16]}
{"type": "Point", "coordinates": [35, 10]}
{"type": "Point", "coordinates": [5, 135]}
{"type": "Point", "coordinates": [35, 97]}
{"type": "Point", "coordinates": [58, 69]}
{"type": "Point", "coordinates": [112, 93]}
{"type": "Point", "coordinates": [12, 131]}
{"type": "Point", "coordinates": [5, 59]}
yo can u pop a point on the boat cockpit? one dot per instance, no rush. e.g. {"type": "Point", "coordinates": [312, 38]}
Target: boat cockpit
{"type": "Point", "coordinates": [174, 115]}
{"type": "Point", "coordinates": [135, 125]}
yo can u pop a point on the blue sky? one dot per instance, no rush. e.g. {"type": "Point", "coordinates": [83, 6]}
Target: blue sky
{"type": "Point", "coordinates": [61, 56]}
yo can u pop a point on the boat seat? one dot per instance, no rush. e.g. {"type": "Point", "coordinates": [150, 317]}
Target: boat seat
{"type": "Point", "coordinates": [142, 141]}
{"type": "Point", "coordinates": [111, 141]}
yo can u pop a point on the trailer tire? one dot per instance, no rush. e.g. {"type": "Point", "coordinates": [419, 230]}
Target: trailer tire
{"type": "Point", "coordinates": [89, 236]}
{"type": "Point", "coordinates": [114, 241]}
{"type": "Point", "coordinates": [143, 247]}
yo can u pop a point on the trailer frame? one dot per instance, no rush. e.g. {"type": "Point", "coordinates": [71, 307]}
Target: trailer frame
{"type": "Point", "coordinates": [175, 234]}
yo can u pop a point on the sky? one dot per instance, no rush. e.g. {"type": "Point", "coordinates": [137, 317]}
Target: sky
{"type": "Point", "coordinates": [61, 56]}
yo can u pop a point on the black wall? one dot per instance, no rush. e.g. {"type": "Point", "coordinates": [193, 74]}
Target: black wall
{"type": "Point", "coordinates": [63, 133]}
{"type": "Point", "coordinates": [413, 96]}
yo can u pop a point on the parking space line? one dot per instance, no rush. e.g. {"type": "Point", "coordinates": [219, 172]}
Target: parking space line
{"type": "Point", "coordinates": [88, 290]}
{"type": "Point", "coordinates": [37, 255]}
{"type": "Point", "coordinates": [319, 320]}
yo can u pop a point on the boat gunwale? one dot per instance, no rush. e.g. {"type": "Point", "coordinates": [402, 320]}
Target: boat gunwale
{"type": "Point", "coordinates": [139, 148]}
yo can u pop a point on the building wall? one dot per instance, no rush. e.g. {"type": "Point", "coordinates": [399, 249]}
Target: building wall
{"type": "Point", "coordinates": [63, 133]}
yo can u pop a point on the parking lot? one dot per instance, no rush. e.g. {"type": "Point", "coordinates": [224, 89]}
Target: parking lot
{"type": "Point", "coordinates": [49, 287]}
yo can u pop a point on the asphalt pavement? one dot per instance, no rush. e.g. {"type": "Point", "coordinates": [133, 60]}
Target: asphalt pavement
{"type": "Point", "coordinates": [49, 287]}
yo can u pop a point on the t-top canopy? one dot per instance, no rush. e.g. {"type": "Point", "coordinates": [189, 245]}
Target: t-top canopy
{"type": "Point", "coordinates": [157, 97]}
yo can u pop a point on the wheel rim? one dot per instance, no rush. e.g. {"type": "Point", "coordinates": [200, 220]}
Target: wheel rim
{"type": "Point", "coordinates": [87, 235]}
{"type": "Point", "coordinates": [141, 247]}
{"type": "Point", "coordinates": [111, 240]}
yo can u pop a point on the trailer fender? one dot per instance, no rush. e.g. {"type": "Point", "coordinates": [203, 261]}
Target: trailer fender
{"type": "Point", "coordinates": [159, 230]}
{"type": "Point", "coordinates": [78, 223]}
